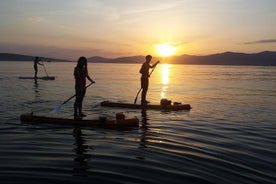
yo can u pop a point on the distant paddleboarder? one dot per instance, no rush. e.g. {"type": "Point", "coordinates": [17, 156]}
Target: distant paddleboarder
{"type": "Point", "coordinates": [145, 78]}
{"type": "Point", "coordinates": [36, 62]}
{"type": "Point", "coordinates": [80, 73]}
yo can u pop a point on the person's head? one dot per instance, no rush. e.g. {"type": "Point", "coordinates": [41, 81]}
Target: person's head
{"type": "Point", "coordinates": [36, 58]}
{"type": "Point", "coordinates": [148, 58]}
{"type": "Point", "coordinates": [82, 62]}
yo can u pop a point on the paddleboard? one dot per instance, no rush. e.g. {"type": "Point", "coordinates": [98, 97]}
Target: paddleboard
{"type": "Point", "coordinates": [174, 107]}
{"type": "Point", "coordinates": [41, 78]}
{"type": "Point", "coordinates": [101, 122]}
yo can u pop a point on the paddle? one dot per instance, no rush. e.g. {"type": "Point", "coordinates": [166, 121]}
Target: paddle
{"type": "Point", "coordinates": [45, 69]}
{"type": "Point", "coordinates": [141, 87]}
{"type": "Point", "coordinates": [60, 106]}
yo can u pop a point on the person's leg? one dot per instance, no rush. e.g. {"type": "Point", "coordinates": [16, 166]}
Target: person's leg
{"type": "Point", "coordinates": [144, 86]}
{"type": "Point", "coordinates": [75, 108]}
{"type": "Point", "coordinates": [35, 69]}
{"type": "Point", "coordinates": [80, 103]}
{"type": "Point", "coordinates": [77, 102]}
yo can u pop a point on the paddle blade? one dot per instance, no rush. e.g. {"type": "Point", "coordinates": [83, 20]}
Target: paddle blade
{"type": "Point", "coordinates": [137, 95]}
{"type": "Point", "coordinates": [135, 100]}
{"type": "Point", "coordinates": [57, 108]}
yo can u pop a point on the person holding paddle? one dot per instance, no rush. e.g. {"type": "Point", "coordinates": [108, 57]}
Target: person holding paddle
{"type": "Point", "coordinates": [36, 62]}
{"type": "Point", "coordinates": [145, 78]}
{"type": "Point", "coordinates": [80, 73]}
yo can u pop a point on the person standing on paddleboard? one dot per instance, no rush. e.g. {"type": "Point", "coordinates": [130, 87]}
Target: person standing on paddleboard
{"type": "Point", "coordinates": [145, 78]}
{"type": "Point", "coordinates": [36, 62]}
{"type": "Point", "coordinates": [80, 73]}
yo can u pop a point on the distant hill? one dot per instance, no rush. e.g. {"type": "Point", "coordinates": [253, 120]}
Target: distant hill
{"type": "Point", "coordinates": [266, 58]}
{"type": "Point", "coordinates": [97, 59]}
{"type": "Point", "coordinates": [15, 57]}
{"type": "Point", "coordinates": [20, 57]}
{"type": "Point", "coordinates": [131, 59]}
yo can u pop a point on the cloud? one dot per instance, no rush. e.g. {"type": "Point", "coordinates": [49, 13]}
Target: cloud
{"type": "Point", "coordinates": [261, 41]}
{"type": "Point", "coordinates": [35, 19]}
{"type": "Point", "coordinates": [173, 44]}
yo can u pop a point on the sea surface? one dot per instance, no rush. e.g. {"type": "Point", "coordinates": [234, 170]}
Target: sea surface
{"type": "Point", "coordinates": [228, 137]}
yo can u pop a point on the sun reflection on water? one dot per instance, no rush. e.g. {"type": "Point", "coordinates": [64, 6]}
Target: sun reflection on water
{"type": "Point", "coordinates": [165, 79]}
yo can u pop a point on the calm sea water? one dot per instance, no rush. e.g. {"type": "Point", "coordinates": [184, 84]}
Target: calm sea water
{"type": "Point", "coordinates": [229, 135]}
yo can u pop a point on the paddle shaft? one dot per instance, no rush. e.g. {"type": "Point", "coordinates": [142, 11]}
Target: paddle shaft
{"type": "Point", "coordinates": [75, 94]}
{"type": "Point", "coordinates": [59, 106]}
{"type": "Point", "coordinates": [141, 87]}
{"type": "Point", "coordinates": [44, 69]}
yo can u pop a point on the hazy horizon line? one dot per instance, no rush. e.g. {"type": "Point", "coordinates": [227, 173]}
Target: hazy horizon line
{"type": "Point", "coordinates": [137, 55]}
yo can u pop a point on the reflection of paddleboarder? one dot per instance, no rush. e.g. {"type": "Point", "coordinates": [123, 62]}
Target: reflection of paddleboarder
{"type": "Point", "coordinates": [36, 62]}
{"type": "Point", "coordinates": [143, 131]}
{"type": "Point", "coordinates": [81, 157]}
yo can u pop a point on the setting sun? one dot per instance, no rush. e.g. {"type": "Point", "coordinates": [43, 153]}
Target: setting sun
{"type": "Point", "coordinates": [165, 50]}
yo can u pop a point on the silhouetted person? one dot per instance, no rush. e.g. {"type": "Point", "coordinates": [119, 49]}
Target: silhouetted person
{"type": "Point", "coordinates": [145, 78]}
{"type": "Point", "coordinates": [36, 62]}
{"type": "Point", "coordinates": [80, 73]}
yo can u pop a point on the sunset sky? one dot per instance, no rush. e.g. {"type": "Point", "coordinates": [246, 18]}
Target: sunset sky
{"type": "Point", "coordinates": [114, 28]}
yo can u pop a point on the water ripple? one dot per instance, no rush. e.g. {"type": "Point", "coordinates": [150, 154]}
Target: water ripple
{"type": "Point", "coordinates": [227, 137]}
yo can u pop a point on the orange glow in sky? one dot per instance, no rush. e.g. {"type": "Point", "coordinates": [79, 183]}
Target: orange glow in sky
{"type": "Point", "coordinates": [68, 29]}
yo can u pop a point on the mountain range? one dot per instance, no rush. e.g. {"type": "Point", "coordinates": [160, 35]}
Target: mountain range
{"type": "Point", "coordinates": [20, 57]}
{"type": "Point", "coordinates": [266, 58]}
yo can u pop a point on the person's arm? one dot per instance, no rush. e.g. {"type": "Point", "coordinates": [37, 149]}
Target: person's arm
{"type": "Point", "coordinates": [154, 64]}
{"type": "Point", "coordinates": [89, 78]}
{"type": "Point", "coordinates": [87, 75]}
{"type": "Point", "coordinates": [38, 62]}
